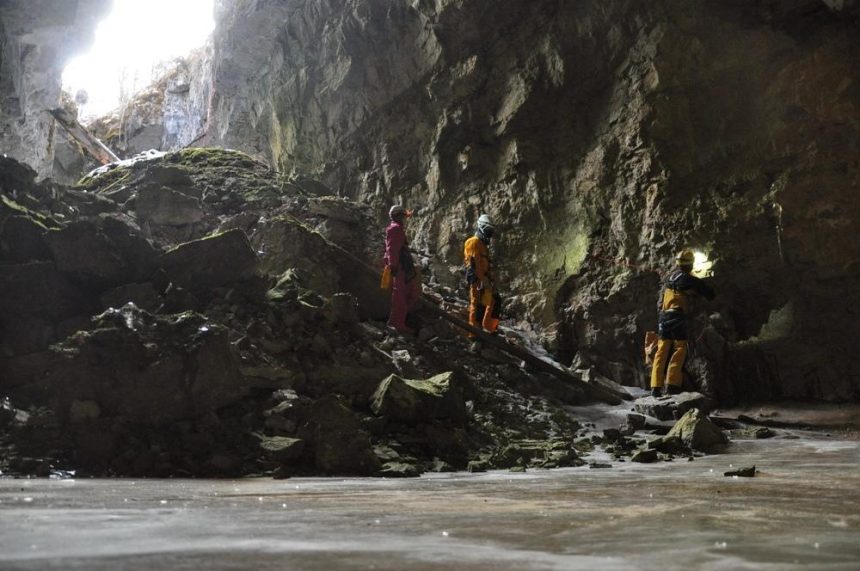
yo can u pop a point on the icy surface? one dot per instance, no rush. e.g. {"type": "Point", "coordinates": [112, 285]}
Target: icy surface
{"type": "Point", "coordinates": [799, 512]}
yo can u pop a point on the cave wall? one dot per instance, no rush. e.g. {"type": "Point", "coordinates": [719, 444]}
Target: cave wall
{"type": "Point", "coordinates": [170, 114]}
{"type": "Point", "coordinates": [602, 135]}
{"type": "Point", "coordinates": [37, 38]}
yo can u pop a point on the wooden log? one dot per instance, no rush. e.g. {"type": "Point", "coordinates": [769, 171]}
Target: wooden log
{"type": "Point", "coordinates": [91, 145]}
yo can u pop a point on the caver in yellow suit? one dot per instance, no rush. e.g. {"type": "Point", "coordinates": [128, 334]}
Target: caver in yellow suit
{"type": "Point", "coordinates": [673, 307]}
{"type": "Point", "coordinates": [482, 298]}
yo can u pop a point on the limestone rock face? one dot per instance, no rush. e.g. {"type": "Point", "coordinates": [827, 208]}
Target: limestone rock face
{"type": "Point", "coordinates": [167, 115]}
{"type": "Point", "coordinates": [36, 41]}
{"type": "Point", "coordinates": [602, 136]}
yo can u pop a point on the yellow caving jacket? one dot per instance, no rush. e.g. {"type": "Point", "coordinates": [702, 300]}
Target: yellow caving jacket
{"type": "Point", "coordinates": [476, 257]}
{"type": "Point", "coordinates": [677, 290]}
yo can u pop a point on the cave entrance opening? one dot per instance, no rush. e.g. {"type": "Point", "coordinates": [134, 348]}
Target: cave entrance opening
{"type": "Point", "coordinates": [134, 44]}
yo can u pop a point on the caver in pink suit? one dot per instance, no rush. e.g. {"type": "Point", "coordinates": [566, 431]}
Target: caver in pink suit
{"type": "Point", "coordinates": [405, 287]}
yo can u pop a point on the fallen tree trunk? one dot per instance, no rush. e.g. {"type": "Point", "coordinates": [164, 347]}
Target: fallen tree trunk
{"type": "Point", "coordinates": [91, 145]}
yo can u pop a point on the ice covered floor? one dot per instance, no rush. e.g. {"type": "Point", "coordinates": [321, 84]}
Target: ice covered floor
{"type": "Point", "coordinates": [802, 511]}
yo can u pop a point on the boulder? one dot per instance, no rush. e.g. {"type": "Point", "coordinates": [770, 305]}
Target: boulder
{"type": "Point", "coordinates": [747, 472]}
{"type": "Point", "coordinates": [645, 456]}
{"type": "Point", "coordinates": [83, 251]}
{"type": "Point", "coordinates": [210, 262]}
{"type": "Point", "coordinates": [420, 401]}
{"type": "Point", "coordinates": [38, 288]}
{"type": "Point", "coordinates": [668, 445]}
{"type": "Point", "coordinates": [164, 206]}
{"type": "Point", "coordinates": [697, 431]}
{"type": "Point", "coordinates": [674, 406]}
{"type": "Point", "coordinates": [339, 445]}
{"type": "Point", "coordinates": [143, 369]}
{"type": "Point", "coordinates": [282, 448]}
{"type": "Point", "coordinates": [326, 268]}
{"type": "Point", "coordinates": [106, 251]}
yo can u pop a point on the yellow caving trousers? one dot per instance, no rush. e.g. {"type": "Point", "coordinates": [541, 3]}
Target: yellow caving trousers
{"type": "Point", "coordinates": [489, 323]}
{"type": "Point", "coordinates": [669, 363]}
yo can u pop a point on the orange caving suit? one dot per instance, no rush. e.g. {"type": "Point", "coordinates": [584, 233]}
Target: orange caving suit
{"type": "Point", "coordinates": [476, 256]}
{"type": "Point", "coordinates": [673, 307]}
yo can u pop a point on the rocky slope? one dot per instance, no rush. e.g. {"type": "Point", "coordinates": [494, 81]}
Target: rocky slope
{"type": "Point", "coordinates": [603, 136]}
{"type": "Point", "coordinates": [187, 314]}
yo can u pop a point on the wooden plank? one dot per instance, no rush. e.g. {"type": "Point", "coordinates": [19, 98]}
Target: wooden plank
{"type": "Point", "coordinates": [91, 145]}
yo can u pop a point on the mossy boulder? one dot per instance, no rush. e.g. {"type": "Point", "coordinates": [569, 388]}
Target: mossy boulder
{"type": "Point", "coordinates": [415, 402]}
{"type": "Point", "coordinates": [697, 431]}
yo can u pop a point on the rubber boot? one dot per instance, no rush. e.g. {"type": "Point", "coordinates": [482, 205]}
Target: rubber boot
{"type": "Point", "coordinates": [656, 392]}
{"type": "Point", "coordinates": [673, 390]}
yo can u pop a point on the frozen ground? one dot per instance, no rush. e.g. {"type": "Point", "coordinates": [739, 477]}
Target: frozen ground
{"type": "Point", "coordinates": [802, 511]}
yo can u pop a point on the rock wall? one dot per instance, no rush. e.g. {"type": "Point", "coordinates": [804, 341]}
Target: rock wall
{"type": "Point", "coordinates": [168, 115]}
{"type": "Point", "coordinates": [602, 135]}
{"type": "Point", "coordinates": [37, 37]}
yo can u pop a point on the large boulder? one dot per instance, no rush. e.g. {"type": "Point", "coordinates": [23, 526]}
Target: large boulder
{"type": "Point", "coordinates": [339, 445]}
{"type": "Point", "coordinates": [165, 206]}
{"type": "Point", "coordinates": [37, 300]}
{"type": "Point", "coordinates": [82, 251]}
{"type": "Point", "coordinates": [420, 401]}
{"type": "Point", "coordinates": [210, 262]}
{"type": "Point", "coordinates": [282, 449]}
{"type": "Point", "coordinates": [674, 406]}
{"type": "Point", "coordinates": [326, 268]}
{"type": "Point", "coordinates": [697, 431]}
{"type": "Point", "coordinates": [143, 369]}
{"type": "Point", "coordinates": [107, 250]}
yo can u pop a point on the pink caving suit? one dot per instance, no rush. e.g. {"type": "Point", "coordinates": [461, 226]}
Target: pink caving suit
{"type": "Point", "coordinates": [404, 294]}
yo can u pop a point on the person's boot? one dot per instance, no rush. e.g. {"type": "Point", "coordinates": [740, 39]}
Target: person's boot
{"type": "Point", "coordinates": [656, 392]}
{"type": "Point", "coordinates": [673, 390]}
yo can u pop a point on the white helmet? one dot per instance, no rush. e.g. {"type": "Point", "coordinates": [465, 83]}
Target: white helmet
{"type": "Point", "coordinates": [397, 212]}
{"type": "Point", "coordinates": [485, 226]}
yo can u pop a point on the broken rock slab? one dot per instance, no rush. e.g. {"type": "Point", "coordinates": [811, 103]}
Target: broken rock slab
{"type": "Point", "coordinates": [282, 448]}
{"type": "Point", "coordinates": [697, 431]}
{"type": "Point", "coordinates": [167, 207]}
{"type": "Point", "coordinates": [213, 261]}
{"type": "Point", "coordinates": [412, 401]}
{"type": "Point", "coordinates": [674, 406]}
